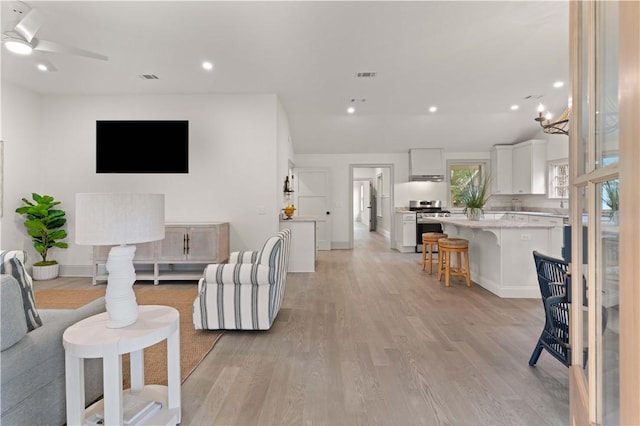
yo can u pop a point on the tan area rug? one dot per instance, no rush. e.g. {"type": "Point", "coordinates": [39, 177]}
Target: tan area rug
{"type": "Point", "coordinates": [194, 344]}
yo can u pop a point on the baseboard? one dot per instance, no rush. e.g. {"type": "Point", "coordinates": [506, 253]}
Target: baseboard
{"type": "Point", "coordinates": [384, 232]}
{"type": "Point", "coordinates": [340, 245]}
{"type": "Point", "coordinates": [76, 271]}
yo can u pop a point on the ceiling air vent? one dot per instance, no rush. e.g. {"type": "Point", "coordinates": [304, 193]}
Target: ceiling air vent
{"type": "Point", "coordinates": [148, 76]}
{"type": "Point", "coordinates": [369, 74]}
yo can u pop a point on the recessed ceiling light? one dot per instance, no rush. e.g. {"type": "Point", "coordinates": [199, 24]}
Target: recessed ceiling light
{"type": "Point", "coordinates": [351, 110]}
{"type": "Point", "coordinates": [558, 84]}
{"type": "Point", "coordinates": [18, 46]}
{"type": "Point", "coordinates": [42, 67]}
{"type": "Point", "coordinates": [207, 65]}
{"type": "Point", "coordinates": [433, 109]}
{"type": "Point", "coordinates": [514, 107]}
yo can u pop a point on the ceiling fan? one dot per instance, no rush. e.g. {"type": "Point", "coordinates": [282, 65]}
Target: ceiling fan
{"type": "Point", "coordinates": [22, 39]}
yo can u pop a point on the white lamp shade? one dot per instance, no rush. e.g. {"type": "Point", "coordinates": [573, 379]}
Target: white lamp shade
{"type": "Point", "coordinates": [119, 218]}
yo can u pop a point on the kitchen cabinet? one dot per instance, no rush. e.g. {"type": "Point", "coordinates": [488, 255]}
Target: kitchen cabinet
{"type": "Point", "coordinates": [520, 168]}
{"type": "Point", "coordinates": [529, 167]}
{"type": "Point", "coordinates": [182, 255]}
{"type": "Point", "coordinates": [501, 169]}
{"type": "Point", "coordinates": [406, 232]}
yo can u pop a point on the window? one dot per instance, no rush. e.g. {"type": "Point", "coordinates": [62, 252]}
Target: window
{"type": "Point", "coordinates": [559, 179]}
{"type": "Point", "coordinates": [459, 173]}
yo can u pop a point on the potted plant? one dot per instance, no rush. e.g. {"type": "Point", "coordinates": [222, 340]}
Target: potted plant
{"type": "Point", "coordinates": [474, 194]}
{"type": "Point", "coordinates": [44, 222]}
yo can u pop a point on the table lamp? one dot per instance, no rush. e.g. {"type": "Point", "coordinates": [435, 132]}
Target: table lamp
{"type": "Point", "coordinates": [119, 219]}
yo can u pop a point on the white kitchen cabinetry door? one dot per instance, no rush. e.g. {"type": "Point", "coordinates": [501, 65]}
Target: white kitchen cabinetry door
{"type": "Point", "coordinates": [529, 167]}
{"type": "Point", "coordinates": [312, 195]}
{"type": "Point", "coordinates": [501, 169]}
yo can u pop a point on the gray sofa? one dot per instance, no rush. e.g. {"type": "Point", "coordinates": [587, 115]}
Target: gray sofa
{"type": "Point", "coordinates": [32, 363]}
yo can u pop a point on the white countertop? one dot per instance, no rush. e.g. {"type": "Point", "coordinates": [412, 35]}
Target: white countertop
{"type": "Point", "coordinates": [300, 219]}
{"type": "Point", "coordinates": [546, 214]}
{"type": "Point", "coordinates": [490, 223]}
{"type": "Point", "coordinates": [459, 210]}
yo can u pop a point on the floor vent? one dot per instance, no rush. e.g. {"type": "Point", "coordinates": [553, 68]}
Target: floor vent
{"type": "Point", "coordinates": [369, 74]}
{"type": "Point", "coordinates": [148, 76]}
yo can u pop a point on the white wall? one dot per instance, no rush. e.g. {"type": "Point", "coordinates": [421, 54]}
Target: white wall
{"type": "Point", "coordinates": [21, 111]}
{"type": "Point", "coordinates": [557, 147]}
{"type": "Point", "coordinates": [239, 146]}
{"type": "Point", "coordinates": [284, 152]}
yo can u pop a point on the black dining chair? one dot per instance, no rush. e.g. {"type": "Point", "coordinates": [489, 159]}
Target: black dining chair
{"type": "Point", "coordinates": [552, 279]}
{"type": "Point", "coordinates": [555, 289]}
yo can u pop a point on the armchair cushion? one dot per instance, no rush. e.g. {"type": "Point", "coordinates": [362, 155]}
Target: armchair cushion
{"type": "Point", "coordinates": [246, 293]}
{"type": "Point", "coordinates": [14, 325]}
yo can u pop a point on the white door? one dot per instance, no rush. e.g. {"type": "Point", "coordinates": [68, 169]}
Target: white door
{"type": "Point", "coordinates": [312, 195]}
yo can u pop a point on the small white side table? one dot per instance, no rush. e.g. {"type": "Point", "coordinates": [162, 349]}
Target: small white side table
{"type": "Point", "coordinates": [90, 338]}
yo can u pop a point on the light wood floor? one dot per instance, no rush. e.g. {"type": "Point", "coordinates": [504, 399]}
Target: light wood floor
{"type": "Point", "coordinates": [371, 339]}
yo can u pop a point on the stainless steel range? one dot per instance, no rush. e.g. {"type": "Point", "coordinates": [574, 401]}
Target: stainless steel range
{"type": "Point", "coordinates": [426, 211]}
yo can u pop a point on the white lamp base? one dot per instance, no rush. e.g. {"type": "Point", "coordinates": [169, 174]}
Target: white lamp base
{"type": "Point", "coordinates": [122, 307]}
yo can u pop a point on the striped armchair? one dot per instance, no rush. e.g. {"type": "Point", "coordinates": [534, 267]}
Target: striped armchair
{"type": "Point", "coordinates": [247, 292]}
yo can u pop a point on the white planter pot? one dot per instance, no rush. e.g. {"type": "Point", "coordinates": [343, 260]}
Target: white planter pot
{"type": "Point", "coordinates": [43, 273]}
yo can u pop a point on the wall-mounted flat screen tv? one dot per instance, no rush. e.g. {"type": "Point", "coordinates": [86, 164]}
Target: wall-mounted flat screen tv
{"type": "Point", "coordinates": [142, 146]}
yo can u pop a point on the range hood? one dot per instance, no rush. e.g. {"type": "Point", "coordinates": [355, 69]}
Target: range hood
{"type": "Point", "coordinates": [426, 165]}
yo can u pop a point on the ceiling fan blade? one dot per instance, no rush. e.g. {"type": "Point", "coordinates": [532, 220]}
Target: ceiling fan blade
{"type": "Point", "coordinates": [29, 25]}
{"type": "Point", "coordinates": [50, 46]}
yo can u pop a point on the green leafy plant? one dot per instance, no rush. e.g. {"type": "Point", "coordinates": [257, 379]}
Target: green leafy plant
{"type": "Point", "coordinates": [474, 191]}
{"type": "Point", "coordinates": [610, 195]}
{"type": "Point", "coordinates": [44, 222]}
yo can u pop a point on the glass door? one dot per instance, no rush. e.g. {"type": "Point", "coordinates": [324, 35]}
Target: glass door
{"type": "Point", "coordinates": [604, 46]}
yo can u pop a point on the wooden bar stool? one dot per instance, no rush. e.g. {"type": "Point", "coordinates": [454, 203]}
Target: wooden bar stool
{"type": "Point", "coordinates": [447, 247]}
{"type": "Point", "coordinates": [430, 239]}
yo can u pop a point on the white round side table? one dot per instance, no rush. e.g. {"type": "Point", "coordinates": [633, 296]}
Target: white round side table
{"type": "Point", "coordinates": [90, 338]}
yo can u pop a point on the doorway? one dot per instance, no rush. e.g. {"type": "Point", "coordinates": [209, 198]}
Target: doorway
{"type": "Point", "coordinates": [371, 204]}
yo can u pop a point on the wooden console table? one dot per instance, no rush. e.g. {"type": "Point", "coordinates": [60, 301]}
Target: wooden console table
{"type": "Point", "coordinates": [183, 254]}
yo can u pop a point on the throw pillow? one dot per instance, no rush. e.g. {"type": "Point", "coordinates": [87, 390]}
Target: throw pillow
{"type": "Point", "coordinates": [21, 255]}
{"type": "Point", "coordinates": [15, 268]}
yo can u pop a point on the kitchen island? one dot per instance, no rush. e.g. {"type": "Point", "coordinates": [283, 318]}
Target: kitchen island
{"type": "Point", "coordinates": [501, 253]}
{"type": "Point", "coordinates": [303, 250]}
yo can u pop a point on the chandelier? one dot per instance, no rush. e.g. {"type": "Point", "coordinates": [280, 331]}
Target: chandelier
{"type": "Point", "coordinates": [555, 127]}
